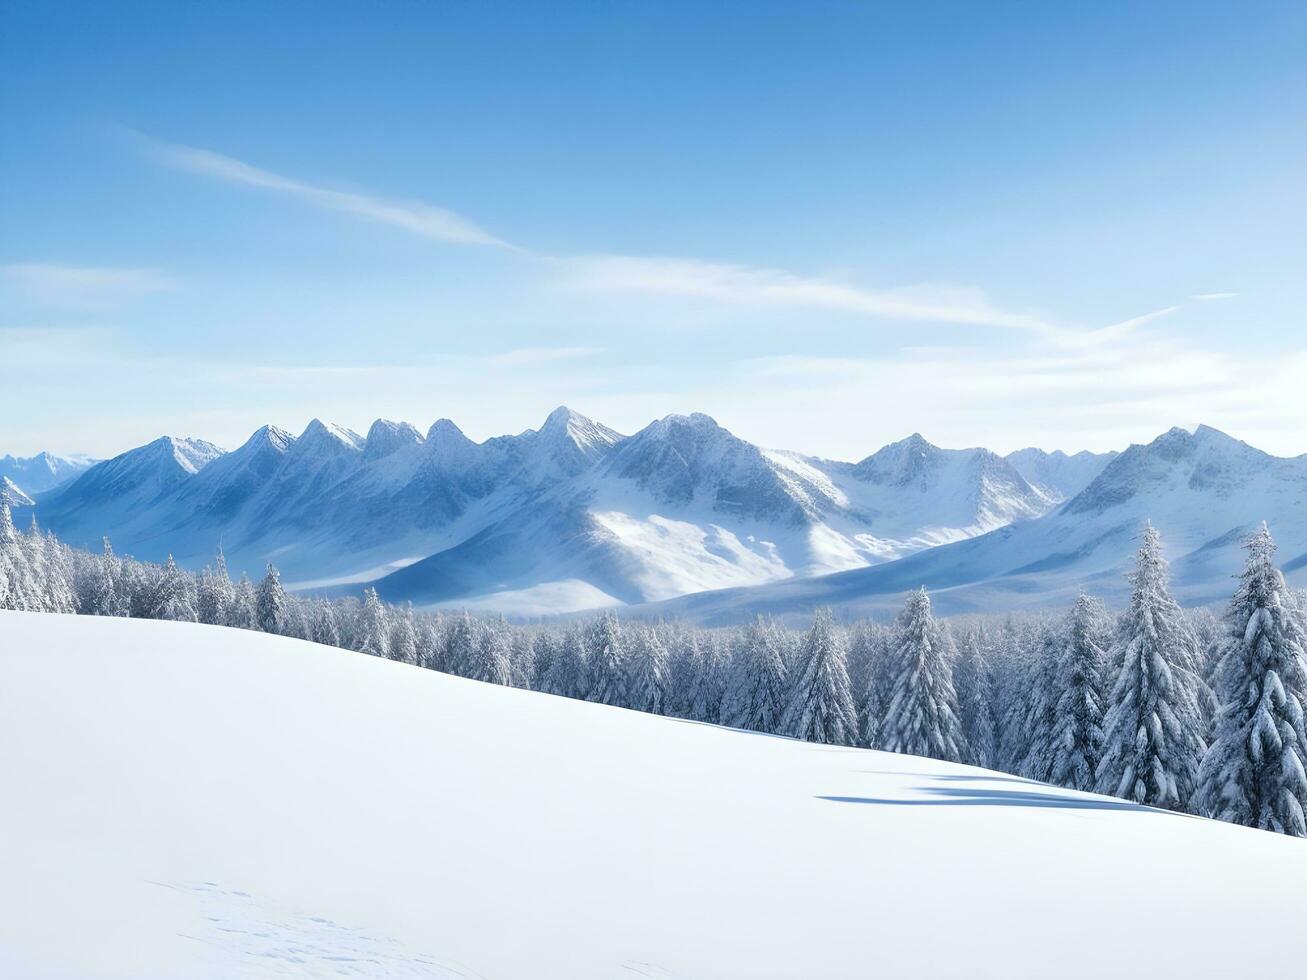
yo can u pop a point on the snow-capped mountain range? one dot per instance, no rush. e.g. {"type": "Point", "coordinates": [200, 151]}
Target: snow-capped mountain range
{"type": "Point", "coordinates": [1204, 490]}
{"type": "Point", "coordinates": [572, 515]}
{"type": "Point", "coordinates": [682, 517]}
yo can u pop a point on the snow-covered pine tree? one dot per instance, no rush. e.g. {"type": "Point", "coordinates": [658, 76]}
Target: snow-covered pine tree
{"type": "Point", "coordinates": [270, 603]}
{"type": "Point", "coordinates": [1254, 772]}
{"type": "Point", "coordinates": [324, 625]}
{"type": "Point", "coordinates": [648, 667]}
{"type": "Point", "coordinates": [685, 664]}
{"type": "Point", "coordinates": [760, 685]}
{"type": "Point", "coordinates": [460, 644]}
{"type": "Point", "coordinates": [173, 597]}
{"type": "Point", "coordinates": [1016, 660]}
{"type": "Point", "coordinates": [491, 654]}
{"type": "Point", "coordinates": [821, 705]}
{"type": "Point", "coordinates": [872, 696]}
{"type": "Point", "coordinates": [100, 596]}
{"type": "Point", "coordinates": [1080, 680]}
{"type": "Point", "coordinates": [371, 629]}
{"type": "Point", "coordinates": [1153, 729]}
{"type": "Point", "coordinates": [33, 545]}
{"type": "Point", "coordinates": [60, 596]}
{"type": "Point", "coordinates": [607, 658]}
{"type": "Point", "coordinates": [429, 645]}
{"type": "Point", "coordinates": [1040, 719]}
{"type": "Point", "coordinates": [976, 701]}
{"type": "Point", "coordinates": [922, 716]}
{"type": "Point", "coordinates": [711, 679]}
{"type": "Point", "coordinates": [522, 660]}
{"type": "Point", "coordinates": [404, 636]}
{"type": "Point", "coordinates": [17, 584]}
{"type": "Point", "coordinates": [241, 611]}
{"type": "Point", "coordinates": [564, 673]}
{"type": "Point", "coordinates": [544, 647]}
{"type": "Point", "coordinates": [214, 597]}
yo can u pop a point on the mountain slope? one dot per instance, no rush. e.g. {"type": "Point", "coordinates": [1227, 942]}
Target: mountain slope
{"type": "Point", "coordinates": [124, 491]}
{"type": "Point", "coordinates": [1204, 490]}
{"type": "Point", "coordinates": [230, 803]}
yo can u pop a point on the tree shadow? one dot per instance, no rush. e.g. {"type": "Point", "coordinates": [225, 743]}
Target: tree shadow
{"type": "Point", "coordinates": [960, 796]}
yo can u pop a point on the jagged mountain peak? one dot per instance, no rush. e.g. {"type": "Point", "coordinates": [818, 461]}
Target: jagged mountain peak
{"type": "Point", "coordinates": [192, 455]}
{"type": "Point", "coordinates": [385, 437]}
{"type": "Point", "coordinates": [267, 437]}
{"type": "Point", "coordinates": [572, 441]}
{"type": "Point", "coordinates": [444, 430]}
{"type": "Point", "coordinates": [324, 434]}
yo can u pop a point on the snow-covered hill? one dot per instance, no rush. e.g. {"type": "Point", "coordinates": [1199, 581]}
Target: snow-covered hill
{"type": "Point", "coordinates": [1204, 490]}
{"type": "Point", "coordinates": [572, 515]}
{"type": "Point", "coordinates": [188, 801]}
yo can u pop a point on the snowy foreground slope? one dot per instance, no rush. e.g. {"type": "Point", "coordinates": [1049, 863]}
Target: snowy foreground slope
{"type": "Point", "coordinates": [183, 800]}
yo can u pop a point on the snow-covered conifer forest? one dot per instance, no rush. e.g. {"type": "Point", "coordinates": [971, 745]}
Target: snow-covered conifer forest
{"type": "Point", "coordinates": [1179, 709]}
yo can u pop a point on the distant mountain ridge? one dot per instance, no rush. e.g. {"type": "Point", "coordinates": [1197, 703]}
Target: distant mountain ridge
{"type": "Point", "coordinates": [1204, 490]}
{"type": "Point", "coordinates": [570, 515]}
{"type": "Point", "coordinates": [44, 471]}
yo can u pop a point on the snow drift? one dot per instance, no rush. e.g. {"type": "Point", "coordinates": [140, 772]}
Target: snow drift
{"type": "Point", "coordinates": [187, 801]}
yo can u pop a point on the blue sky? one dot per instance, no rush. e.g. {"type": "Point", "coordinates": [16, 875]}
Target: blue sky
{"type": "Point", "coordinates": [828, 225]}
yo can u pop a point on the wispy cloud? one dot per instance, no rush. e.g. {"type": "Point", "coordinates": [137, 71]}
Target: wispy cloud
{"type": "Point", "coordinates": [541, 355]}
{"type": "Point", "coordinates": [413, 216]}
{"type": "Point", "coordinates": [83, 286]}
{"type": "Point", "coordinates": [752, 286]}
{"type": "Point", "coordinates": [1205, 297]}
{"type": "Point", "coordinates": [724, 283]}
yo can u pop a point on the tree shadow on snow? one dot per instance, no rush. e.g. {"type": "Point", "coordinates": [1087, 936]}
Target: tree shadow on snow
{"type": "Point", "coordinates": [975, 796]}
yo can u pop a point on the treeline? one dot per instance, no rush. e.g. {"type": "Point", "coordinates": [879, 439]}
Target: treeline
{"type": "Point", "coordinates": [1161, 706]}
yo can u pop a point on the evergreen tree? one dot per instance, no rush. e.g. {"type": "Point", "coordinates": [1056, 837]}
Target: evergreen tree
{"type": "Point", "coordinates": [649, 669]}
{"type": "Point", "coordinates": [1153, 730]}
{"type": "Point", "coordinates": [371, 631]}
{"type": "Point", "coordinates": [173, 599]}
{"type": "Point", "coordinates": [428, 645]}
{"type": "Point", "coordinates": [460, 645]}
{"type": "Point", "coordinates": [566, 673]}
{"type": "Point", "coordinates": [684, 668]}
{"type": "Point", "coordinates": [608, 679]}
{"type": "Point", "coordinates": [522, 660]}
{"type": "Point", "coordinates": [821, 704]}
{"type": "Point", "coordinates": [1080, 680]}
{"type": "Point", "coordinates": [17, 584]}
{"type": "Point", "coordinates": [241, 611]}
{"type": "Point", "coordinates": [491, 655]}
{"type": "Point", "coordinates": [976, 702]}
{"type": "Point", "coordinates": [1254, 772]}
{"type": "Point", "coordinates": [710, 680]}
{"type": "Point", "coordinates": [1040, 718]}
{"type": "Point", "coordinates": [873, 694]}
{"type": "Point", "coordinates": [404, 636]}
{"type": "Point", "coordinates": [102, 597]}
{"type": "Point", "coordinates": [324, 626]}
{"type": "Point", "coordinates": [270, 603]}
{"type": "Point", "coordinates": [760, 689]}
{"type": "Point", "coordinates": [922, 716]}
{"type": "Point", "coordinates": [214, 594]}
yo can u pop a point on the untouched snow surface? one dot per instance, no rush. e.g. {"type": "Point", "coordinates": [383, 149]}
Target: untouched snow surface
{"type": "Point", "coordinates": [185, 801]}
